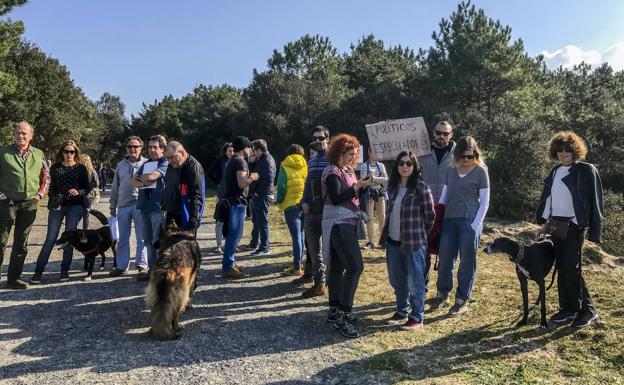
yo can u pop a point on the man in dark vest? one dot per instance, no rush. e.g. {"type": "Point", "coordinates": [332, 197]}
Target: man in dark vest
{"type": "Point", "coordinates": [24, 180]}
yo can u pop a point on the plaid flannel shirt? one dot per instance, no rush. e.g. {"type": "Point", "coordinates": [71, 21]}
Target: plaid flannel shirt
{"type": "Point", "coordinates": [417, 217]}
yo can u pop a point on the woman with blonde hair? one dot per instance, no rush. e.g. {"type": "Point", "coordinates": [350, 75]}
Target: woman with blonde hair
{"type": "Point", "coordinates": [69, 184]}
{"type": "Point", "coordinates": [571, 208]}
{"type": "Point", "coordinates": [94, 195]}
{"type": "Point", "coordinates": [466, 197]}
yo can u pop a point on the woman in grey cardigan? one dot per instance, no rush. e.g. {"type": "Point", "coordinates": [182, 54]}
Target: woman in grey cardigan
{"type": "Point", "coordinates": [466, 197]}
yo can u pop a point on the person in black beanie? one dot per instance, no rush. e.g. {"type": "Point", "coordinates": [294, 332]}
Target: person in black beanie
{"type": "Point", "coordinates": [236, 180]}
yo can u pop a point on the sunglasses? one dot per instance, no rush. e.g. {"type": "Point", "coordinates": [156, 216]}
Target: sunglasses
{"type": "Point", "coordinates": [467, 156]}
{"type": "Point", "coordinates": [318, 138]}
{"type": "Point", "coordinates": [130, 146]}
{"type": "Point", "coordinates": [405, 163]}
{"type": "Point", "coordinates": [69, 152]}
{"type": "Point", "coordinates": [565, 148]}
{"type": "Point", "coordinates": [441, 133]}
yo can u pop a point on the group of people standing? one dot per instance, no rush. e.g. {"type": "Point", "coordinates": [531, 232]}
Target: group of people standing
{"type": "Point", "coordinates": [166, 188]}
{"type": "Point", "coordinates": [429, 205]}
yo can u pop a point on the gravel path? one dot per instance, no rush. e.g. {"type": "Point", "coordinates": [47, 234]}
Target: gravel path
{"type": "Point", "coordinates": [253, 331]}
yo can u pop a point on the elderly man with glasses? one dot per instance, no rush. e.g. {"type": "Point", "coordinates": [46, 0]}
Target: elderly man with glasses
{"type": "Point", "coordinates": [123, 205]}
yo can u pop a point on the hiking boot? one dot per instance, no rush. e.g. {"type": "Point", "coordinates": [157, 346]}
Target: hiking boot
{"type": "Point", "coordinates": [439, 301]}
{"type": "Point", "coordinates": [247, 247]}
{"type": "Point", "coordinates": [412, 324]}
{"type": "Point", "coordinates": [36, 278]}
{"type": "Point", "coordinates": [458, 307]}
{"type": "Point", "coordinates": [332, 315]}
{"type": "Point", "coordinates": [303, 280]}
{"type": "Point", "coordinates": [64, 276]}
{"type": "Point", "coordinates": [346, 324]}
{"type": "Point", "coordinates": [315, 291]}
{"type": "Point", "coordinates": [396, 319]}
{"type": "Point", "coordinates": [143, 276]}
{"type": "Point", "coordinates": [261, 252]}
{"type": "Point", "coordinates": [16, 284]}
{"type": "Point", "coordinates": [293, 271]}
{"type": "Point", "coordinates": [584, 319]}
{"type": "Point", "coordinates": [233, 274]}
{"type": "Point", "coordinates": [117, 273]}
{"type": "Point", "coordinates": [563, 316]}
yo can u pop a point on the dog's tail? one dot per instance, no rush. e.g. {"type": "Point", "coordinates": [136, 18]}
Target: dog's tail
{"type": "Point", "coordinates": [101, 217]}
{"type": "Point", "coordinates": [161, 300]}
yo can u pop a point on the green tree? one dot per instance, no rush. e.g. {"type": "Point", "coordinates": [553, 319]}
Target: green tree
{"type": "Point", "coordinates": [47, 97]}
{"type": "Point", "coordinates": [111, 111]}
{"type": "Point", "coordinates": [10, 33]}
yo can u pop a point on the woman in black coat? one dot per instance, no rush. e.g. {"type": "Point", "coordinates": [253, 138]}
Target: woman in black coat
{"type": "Point", "coordinates": [570, 209]}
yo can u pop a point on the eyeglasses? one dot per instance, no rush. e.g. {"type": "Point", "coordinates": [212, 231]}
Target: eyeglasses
{"type": "Point", "coordinates": [319, 138]}
{"type": "Point", "coordinates": [132, 146]}
{"type": "Point", "coordinates": [405, 163]}
{"type": "Point", "coordinates": [69, 152]}
{"type": "Point", "coordinates": [470, 156]}
{"type": "Point", "coordinates": [441, 133]}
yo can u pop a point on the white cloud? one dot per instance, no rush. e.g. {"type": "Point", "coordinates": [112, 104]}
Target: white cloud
{"type": "Point", "coordinates": [571, 55]}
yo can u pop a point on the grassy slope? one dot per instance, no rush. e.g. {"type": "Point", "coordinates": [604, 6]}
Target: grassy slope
{"type": "Point", "coordinates": [482, 346]}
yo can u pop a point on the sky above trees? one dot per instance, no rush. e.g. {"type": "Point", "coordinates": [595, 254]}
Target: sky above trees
{"type": "Point", "coordinates": [142, 50]}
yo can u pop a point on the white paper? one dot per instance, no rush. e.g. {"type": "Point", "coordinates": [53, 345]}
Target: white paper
{"type": "Point", "coordinates": [148, 168]}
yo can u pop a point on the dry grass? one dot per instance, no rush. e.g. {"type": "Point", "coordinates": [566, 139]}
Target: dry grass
{"type": "Point", "coordinates": [482, 346]}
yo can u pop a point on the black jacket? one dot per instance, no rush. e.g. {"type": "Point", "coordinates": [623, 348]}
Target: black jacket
{"type": "Point", "coordinates": [184, 191]}
{"type": "Point", "coordinates": [265, 167]}
{"type": "Point", "coordinates": [586, 188]}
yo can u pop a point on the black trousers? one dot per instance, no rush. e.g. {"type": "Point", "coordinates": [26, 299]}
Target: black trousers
{"type": "Point", "coordinates": [22, 215]}
{"type": "Point", "coordinates": [573, 293]}
{"type": "Point", "coordinates": [345, 267]}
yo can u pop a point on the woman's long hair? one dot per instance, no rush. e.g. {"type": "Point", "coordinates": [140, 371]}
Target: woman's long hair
{"type": "Point", "coordinates": [395, 177]}
{"type": "Point", "coordinates": [86, 160]}
{"type": "Point", "coordinates": [59, 155]}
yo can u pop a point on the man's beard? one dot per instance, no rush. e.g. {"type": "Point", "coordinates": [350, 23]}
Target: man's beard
{"type": "Point", "coordinates": [440, 143]}
{"type": "Point", "coordinates": [318, 146]}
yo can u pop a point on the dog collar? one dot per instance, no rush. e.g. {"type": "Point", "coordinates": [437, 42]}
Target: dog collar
{"type": "Point", "coordinates": [520, 255]}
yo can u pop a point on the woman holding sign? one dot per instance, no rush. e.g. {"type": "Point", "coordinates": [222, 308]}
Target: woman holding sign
{"type": "Point", "coordinates": [466, 196]}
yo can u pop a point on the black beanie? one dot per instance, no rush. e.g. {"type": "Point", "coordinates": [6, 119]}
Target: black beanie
{"type": "Point", "coordinates": [240, 142]}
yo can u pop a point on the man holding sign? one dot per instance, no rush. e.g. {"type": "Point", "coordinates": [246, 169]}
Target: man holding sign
{"type": "Point", "coordinates": [150, 182]}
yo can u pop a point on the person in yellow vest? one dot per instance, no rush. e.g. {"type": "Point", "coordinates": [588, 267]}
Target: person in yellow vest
{"type": "Point", "coordinates": [290, 182]}
{"type": "Point", "coordinates": [24, 181]}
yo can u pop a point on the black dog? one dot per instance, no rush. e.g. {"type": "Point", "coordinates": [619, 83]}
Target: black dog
{"type": "Point", "coordinates": [532, 262]}
{"type": "Point", "coordinates": [90, 243]}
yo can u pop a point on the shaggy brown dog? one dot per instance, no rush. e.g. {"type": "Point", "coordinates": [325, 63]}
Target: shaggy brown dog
{"type": "Point", "coordinates": [172, 282]}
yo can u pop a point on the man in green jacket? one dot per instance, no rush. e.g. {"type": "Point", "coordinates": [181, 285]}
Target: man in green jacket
{"type": "Point", "coordinates": [24, 180]}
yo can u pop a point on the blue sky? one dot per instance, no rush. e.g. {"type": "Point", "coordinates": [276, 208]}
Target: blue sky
{"type": "Point", "coordinates": [142, 50]}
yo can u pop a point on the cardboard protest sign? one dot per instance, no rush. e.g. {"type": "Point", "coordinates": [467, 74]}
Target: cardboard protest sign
{"type": "Point", "coordinates": [388, 138]}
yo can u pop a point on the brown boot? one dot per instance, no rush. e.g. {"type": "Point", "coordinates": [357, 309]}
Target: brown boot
{"type": "Point", "coordinates": [315, 291]}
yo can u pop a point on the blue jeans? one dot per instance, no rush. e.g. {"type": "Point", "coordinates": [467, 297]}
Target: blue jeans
{"type": "Point", "coordinates": [72, 215]}
{"type": "Point", "coordinates": [294, 221]}
{"type": "Point", "coordinates": [235, 232]}
{"type": "Point", "coordinates": [260, 217]}
{"type": "Point", "coordinates": [407, 277]}
{"type": "Point", "coordinates": [150, 224]}
{"type": "Point", "coordinates": [458, 236]}
{"type": "Point", "coordinates": [125, 217]}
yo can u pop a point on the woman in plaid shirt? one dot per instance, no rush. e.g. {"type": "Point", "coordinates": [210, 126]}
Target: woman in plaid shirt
{"type": "Point", "coordinates": [409, 219]}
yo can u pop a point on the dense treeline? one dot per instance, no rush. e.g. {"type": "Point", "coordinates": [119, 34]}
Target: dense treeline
{"type": "Point", "coordinates": [473, 75]}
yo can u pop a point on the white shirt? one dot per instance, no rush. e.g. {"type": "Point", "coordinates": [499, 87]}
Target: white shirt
{"type": "Point", "coordinates": [560, 197]}
{"type": "Point", "coordinates": [394, 222]}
